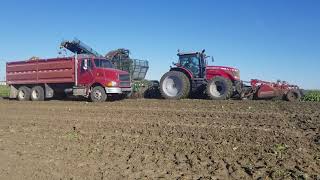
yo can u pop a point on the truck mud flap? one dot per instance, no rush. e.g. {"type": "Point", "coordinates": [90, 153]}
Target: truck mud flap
{"type": "Point", "coordinates": [13, 92]}
{"type": "Point", "coordinates": [48, 91]}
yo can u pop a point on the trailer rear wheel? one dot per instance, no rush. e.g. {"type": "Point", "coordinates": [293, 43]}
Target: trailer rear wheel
{"type": "Point", "coordinates": [293, 95]}
{"type": "Point", "coordinates": [219, 88]}
{"type": "Point", "coordinates": [23, 93]}
{"type": "Point", "coordinates": [98, 94]}
{"type": "Point", "coordinates": [174, 85]}
{"type": "Point", "coordinates": [37, 93]}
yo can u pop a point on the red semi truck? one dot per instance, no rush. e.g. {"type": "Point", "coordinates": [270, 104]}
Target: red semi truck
{"type": "Point", "coordinates": [81, 75]}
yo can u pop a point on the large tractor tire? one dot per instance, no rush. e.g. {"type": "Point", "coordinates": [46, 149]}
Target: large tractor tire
{"type": "Point", "coordinates": [37, 93]}
{"type": "Point", "coordinates": [24, 93]}
{"type": "Point", "coordinates": [219, 88]}
{"type": "Point", "coordinates": [98, 94]}
{"type": "Point", "coordinates": [293, 95]}
{"type": "Point", "coordinates": [174, 85]}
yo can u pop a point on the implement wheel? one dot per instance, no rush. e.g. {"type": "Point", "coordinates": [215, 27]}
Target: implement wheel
{"type": "Point", "coordinates": [293, 95]}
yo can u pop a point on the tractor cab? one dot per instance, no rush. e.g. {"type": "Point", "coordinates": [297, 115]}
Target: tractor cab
{"type": "Point", "coordinates": [194, 62]}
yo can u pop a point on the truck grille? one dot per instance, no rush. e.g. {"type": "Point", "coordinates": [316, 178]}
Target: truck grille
{"type": "Point", "coordinates": [124, 77]}
{"type": "Point", "coordinates": [125, 84]}
{"type": "Point", "coordinates": [124, 80]}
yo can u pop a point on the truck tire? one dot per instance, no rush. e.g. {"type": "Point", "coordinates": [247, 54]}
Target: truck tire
{"type": "Point", "coordinates": [98, 94]}
{"type": "Point", "coordinates": [24, 93]}
{"type": "Point", "coordinates": [219, 88]}
{"type": "Point", "coordinates": [37, 93]}
{"type": "Point", "coordinates": [293, 95]}
{"type": "Point", "coordinates": [174, 85]}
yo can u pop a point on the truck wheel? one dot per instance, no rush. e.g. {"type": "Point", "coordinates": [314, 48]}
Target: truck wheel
{"type": "Point", "coordinates": [37, 93]}
{"type": "Point", "coordinates": [293, 95]}
{"type": "Point", "coordinates": [219, 88]}
{"type": "Point", "coordinates": [23, 93]}
{"type": "Point", "coordinates": [98, 94]}
{"type": "Point", "coordinates": [174, 85]}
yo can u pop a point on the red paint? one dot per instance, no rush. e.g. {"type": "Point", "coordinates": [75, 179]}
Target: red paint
{"type": "Point", "coordinates": [226, 72]}
{"type": "Point", "coordinates": [59, 70]}
{"type": "Point", "coordinates": [212, 71]}
{"type": "Point", "coordinates": [265, 89]}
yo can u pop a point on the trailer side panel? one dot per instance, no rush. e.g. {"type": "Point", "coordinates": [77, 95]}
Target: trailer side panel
{"type": "Point", "coordinates": [58, 70]}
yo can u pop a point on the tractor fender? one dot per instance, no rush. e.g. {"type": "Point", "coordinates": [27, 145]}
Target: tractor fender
{"type": "Point", "coordinates": [183, 70]}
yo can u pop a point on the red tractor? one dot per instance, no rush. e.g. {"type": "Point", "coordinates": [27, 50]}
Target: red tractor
{"type": "Point", "coordinates": [192, 75]}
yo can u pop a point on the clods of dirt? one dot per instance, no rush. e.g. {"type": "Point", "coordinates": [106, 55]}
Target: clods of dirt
{"type": "Point", "coordinates": [153, 139]}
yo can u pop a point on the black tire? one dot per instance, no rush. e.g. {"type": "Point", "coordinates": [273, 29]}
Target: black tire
{"type": "Point", "coordinates": [98, 94]}
{"type": "Point", "coordinates": [293, 95]}
{"type": "Point", "coordinates": [23, 93]}
{"type": "Point", "coordinates": [175, 85]}
{"type": "Point", "coordinates": [219, 88]}
{"type": "Point", "coordinates": [37, 93]}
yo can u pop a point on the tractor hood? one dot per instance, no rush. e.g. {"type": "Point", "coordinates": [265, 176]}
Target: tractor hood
{"type": "Point", "coordinates": [225, 68]}
{"type": "Point", "coordinates": [232, 73]}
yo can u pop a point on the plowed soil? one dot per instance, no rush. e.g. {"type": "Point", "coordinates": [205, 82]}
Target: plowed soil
{"type": "Point", "coordinates": [154, 139]}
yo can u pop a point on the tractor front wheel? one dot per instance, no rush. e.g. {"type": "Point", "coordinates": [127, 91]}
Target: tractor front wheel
{"type": "Point", "coordinates": [174, 85]}
{"type": "Point", "coordinates": [219, 88]}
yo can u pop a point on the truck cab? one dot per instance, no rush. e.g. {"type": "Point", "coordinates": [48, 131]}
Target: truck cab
{"type": "Point", "coordinates": [100, 71]}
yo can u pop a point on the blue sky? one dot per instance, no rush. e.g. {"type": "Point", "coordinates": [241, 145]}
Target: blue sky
{"type": "Point", "coordinates": [266, 39]}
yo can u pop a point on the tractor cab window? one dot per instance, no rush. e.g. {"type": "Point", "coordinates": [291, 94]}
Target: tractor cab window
{"type": "Point", "coordinates": [103, 63]}
{"type": "Point", "coordinates": [191, 63]}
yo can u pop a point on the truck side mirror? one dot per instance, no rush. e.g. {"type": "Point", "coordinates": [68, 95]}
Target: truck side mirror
{"type": "Point", "coordinates": [85, 64]}
{"type": "Point", "coordinates": [212, 59]}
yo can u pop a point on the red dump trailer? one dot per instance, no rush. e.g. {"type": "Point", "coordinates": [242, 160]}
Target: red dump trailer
{"type": "Point", "coordinates": [81, 75]}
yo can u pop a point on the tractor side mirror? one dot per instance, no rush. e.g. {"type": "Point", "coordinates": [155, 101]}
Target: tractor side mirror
{"type": "Point", "coordinates": [212, 59]}
{"type": "Point", "coordinates": [176, 64]}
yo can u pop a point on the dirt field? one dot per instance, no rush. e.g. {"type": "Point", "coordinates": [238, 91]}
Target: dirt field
{"type": "Point", "coordinates": [149, 139]}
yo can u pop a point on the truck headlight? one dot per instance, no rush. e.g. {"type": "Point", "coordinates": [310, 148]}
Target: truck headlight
{"type": "Point", "coordinates": [111, 84]}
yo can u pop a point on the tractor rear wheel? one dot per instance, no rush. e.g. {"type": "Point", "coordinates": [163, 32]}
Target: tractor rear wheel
{"type": "Point", "coordinates": [293, 95]}
{"type": "Point", "coordinates": [174, 85]}
{"type": "Point", "coordinates": [219, 88]}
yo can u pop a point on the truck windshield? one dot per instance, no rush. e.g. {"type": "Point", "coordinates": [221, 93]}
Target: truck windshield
{"type": "Point", "coordinates": [103, 63]}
